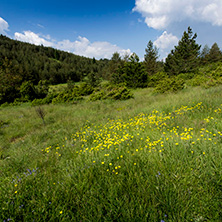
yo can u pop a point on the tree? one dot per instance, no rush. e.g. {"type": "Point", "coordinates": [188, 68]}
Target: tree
{"type": "Point", "coordinates": [9, 83]}
{"type": "Point", "coordinates": [215, 54]}
{"type": "Point", "coordinates": [184, 57]}
{"type": "Point", "coordinates": [205, 54]}
{"type": "Point", "coordinates": [114, 64]}
{"type": "Point", "coordinates": [150, 59]}
{"type": "Point", "coordinates": [132, 73]}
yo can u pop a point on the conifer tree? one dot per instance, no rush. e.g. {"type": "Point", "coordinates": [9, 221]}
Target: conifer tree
{"type": "Point", "coordinates": [215, 54]}
{"type": "Point", "coordinates": [204, 54]}
{"type": "Point", "coordinates": [150, 59]}
{"type": "Point", "coordinates": [184, 57]}
{"type": "Point", "coordinates": [132, 73]}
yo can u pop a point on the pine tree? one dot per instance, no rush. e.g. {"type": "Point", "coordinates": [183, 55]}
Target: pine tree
{"type": "Point", "coordinates": [215, 54]}
{"type": "Point", "coordinates": [150, 59]}
{"type": "Point", "coordinates": [184, 57]}
{"type": "Point", "coordinates": [132, 73]}
{"type": "Point", "coordinates": [205, 54]}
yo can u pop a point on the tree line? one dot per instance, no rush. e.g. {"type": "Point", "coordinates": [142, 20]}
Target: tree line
{"type": "Point", "coordinates": [23, 65]}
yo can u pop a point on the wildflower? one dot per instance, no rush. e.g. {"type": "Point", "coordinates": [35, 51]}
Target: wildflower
{"type": "Point", "coordinates": [16, 191]}
{"type": "Point", "coordinates": [60, 212]}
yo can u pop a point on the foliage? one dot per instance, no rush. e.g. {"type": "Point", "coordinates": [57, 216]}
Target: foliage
{"type": "Point", "coordinates": [110, 91]}
{"type": "Point", "coordinates": [212, 82]}
{"type": "Point", "coordinates": [47, 100]}
{"type": "Point", "coordinates": [184, 57]}
{"type": "Point", "coordinates": [35, 63]}
{"type": "Point", "coordinates": [9, 82]}
{"type": "Point", "coordinates": [215, 53]}
{"type": "Point", "coordinates": [150, 59]}
{"type": "Point", "coordinates": [114, 64]}
{"type": "Point", "coordinates": [154, 79]}
{"type": "Point", "coordinates": [198, 80]}
{"type": "Point", "coordinates": [132, 73]}
{"type": "Point", "coordinates": [74, 94]}
{"type": "Point", "coordinates": [42, 89]}
{"type": "Point", "coordinates": [27, 91]}
{"type": "Point", "coordinates": [172, 84]}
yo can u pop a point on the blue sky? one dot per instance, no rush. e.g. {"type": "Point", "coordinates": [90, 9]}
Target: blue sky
{"type": "Point", "coordinates": [99, 28]}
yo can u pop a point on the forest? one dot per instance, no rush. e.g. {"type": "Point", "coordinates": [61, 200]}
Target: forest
{"type": "Point", "coordinates": [27, 71]}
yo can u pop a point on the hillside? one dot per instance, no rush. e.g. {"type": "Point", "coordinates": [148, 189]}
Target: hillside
{"type": "Point", "coordinates": [151, 158]}
{"type": "Point", "coordinates": [35, 63]}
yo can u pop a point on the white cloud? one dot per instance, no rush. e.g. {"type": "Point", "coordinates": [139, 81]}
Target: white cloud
{"type": "Point", "coordinates": [165, 43]}
{"type": "Point", "coordinates": [159, 14]}
{"type": "Point", "coordinates": [82, 46]}
{"type": "Point", "coordinates": [3, 26]}
{"type": "Point", "coordinates": [32, 38]}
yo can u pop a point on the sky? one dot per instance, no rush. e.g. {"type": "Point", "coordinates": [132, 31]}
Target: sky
{"type": "Point", "coordinates": [101, 27]}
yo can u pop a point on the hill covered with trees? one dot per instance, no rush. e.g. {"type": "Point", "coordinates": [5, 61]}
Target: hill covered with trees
{"type": "Point", "coordinates": [26, 70]}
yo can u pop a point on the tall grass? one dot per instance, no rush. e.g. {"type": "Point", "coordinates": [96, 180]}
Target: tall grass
{"type": "Point", "coordinates": [152, 158]}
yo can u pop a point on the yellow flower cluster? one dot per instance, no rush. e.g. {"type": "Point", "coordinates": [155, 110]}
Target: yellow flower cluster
{"type": "Point", "coordinates": [106, 144]}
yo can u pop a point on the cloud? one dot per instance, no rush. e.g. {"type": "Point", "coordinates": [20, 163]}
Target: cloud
{"type": "Point", "coordinates": [82, 46]}
{"type": "Point", "coordinates": [165, 43]}
{"type": "Point", "coordinates": [159, 14]}
{"type": "Point", "coordinates": [33, 38]}
{"type": "Point", "coordinates": [3, 26]}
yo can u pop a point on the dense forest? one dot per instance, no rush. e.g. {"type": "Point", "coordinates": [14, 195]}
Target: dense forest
{"type": "Point", "coordinates": [27, 70]}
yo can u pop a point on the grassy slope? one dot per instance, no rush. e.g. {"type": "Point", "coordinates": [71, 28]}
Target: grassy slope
{"type": "Point", "coordinates": [107, 161]}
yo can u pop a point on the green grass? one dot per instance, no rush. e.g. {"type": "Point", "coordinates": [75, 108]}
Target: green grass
{"type": "Point", "coordinates": [151, 158]}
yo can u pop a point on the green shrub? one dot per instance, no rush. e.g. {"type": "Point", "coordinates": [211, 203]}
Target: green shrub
{"type": "Point", "coordinates": [169, 85]}
{"type": "Point", "coordinates": [65, 97]}
{"type": "Point", "coordinates": [121, 93]}
{"type": "Point", "coordinates": [198, 80]}
{"type": "Point", "coordinates": [212, 82]}
{"type": "Point", "coordinates": [154, 79]}
{"type": "Point", "coordinates": [217, 72]}
{"type": "Point", "coordinates": [46, 100]}
{"type": "Point", "coordinates": [42, 89]}
{"type": "Point", "coordinates": [186, 76]}
{"type": "Point", "coordinates": [27, 91]}
{"type": "Point", "coordinates": [97, 95]}
{"type": "Point", "coordinates": [115, 92]}
{"type": "Point", "coordinates": [85, 89]}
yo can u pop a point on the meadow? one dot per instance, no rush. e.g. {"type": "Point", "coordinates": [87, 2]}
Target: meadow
{"type": "Point", "coordinates": [156, 157]}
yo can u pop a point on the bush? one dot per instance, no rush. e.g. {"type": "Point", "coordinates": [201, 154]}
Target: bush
{"type": "Point", "coordinates": [115, 92]}
{"type": "Point", "coordinates": [212, 82]}
{"type": "Point", "coordinates": [27, 91]}
{"type": "Point", "coordinates": [186, 76]}
{"type": "Point", "coordinates": [198, 80]}
{"type": "Point", "coordinates": [46, 100]}
{"type": "Point", "coordinates": [85, 89]}
{"type": "Point", "coordinates": [170, 85]}
{"type": "Point", "coordinates": [42, 89]}
{"type": "Point", "coordinates": [97, 95]}
{"type": "Point", "coordinates": [154, 79]}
